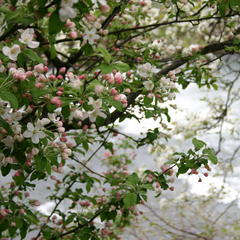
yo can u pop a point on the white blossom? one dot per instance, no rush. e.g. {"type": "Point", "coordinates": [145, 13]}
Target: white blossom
{"type": "Point", "coordinates": [35, 133]}
{"type": "Point", "coordinates": [27, 38]}
{"type": "Point", "coordinates": [8, 141]}
{"type": "Point", "coordinates": [96, 109]}
{"type": "Point", "coordinates": [148, 85]}
{"type": "Point", "coordinates": [95, 113]}
{"type": "Point", "coordinates": [146, 70]}
{"type": "Point", "coordinates": [11, 52]}
{"type": "Point", "coordinates": [91, 35]}
{"type": "Point", "coordinates": [66, 13]}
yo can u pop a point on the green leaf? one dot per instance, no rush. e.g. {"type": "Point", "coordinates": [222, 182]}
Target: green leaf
{"type": "Point", "coordinates": [19, 180]}
{"type": "Point", "coordinates": [10, 97]}
{"type": "Point", "coordinates": [198, 144]}
{"type": "Point", "coordinates": [130, 200]}
{"type": "Point", "coordinates": [211, 155]}
{"type": "Point", "coordinates": [55, 25]}
{"type": "Point", "coordinates": [5, 170]}
{"type": "Point", "coordinates": [32, 55]}
{"type": "Point", "coordinates": [106, 68]}
{"type": "Point", "coordinates": [106, 55]}
{"type": "Point", "coordinates": [41, 163]}
{"type": "Point", "coordinates": [122, 67]}
{"type": "Point", "coordinates": [66, 111]}
{"type": "Point", "coordinates": [133, 179]}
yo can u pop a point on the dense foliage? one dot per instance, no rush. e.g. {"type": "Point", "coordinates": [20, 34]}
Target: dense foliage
{"type": "Point", "coordinates": [70, 72]}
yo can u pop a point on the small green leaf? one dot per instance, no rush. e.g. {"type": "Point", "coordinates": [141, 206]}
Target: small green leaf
{"type": "Point", "coordinates": [106, 55]}
{"type": "Point", "coordinates": [55, 24]}
{"type": "Point", "coordinates": [130, 200]}
{"type": "Point", "coordinates": [198, 144]}
{"type": "Point", "coordinates": [5, 170]}
{"type": "Point", "coordinates": [10, 97]}
{"type": "Point", "coordinates": [122, 67]}
{"type": "Point", "coordinates": [211, 155]}
{"type": "Point", "coordinates": [133, 179]}
{"type": "Point", "coordinates": [32, 55]}
{"type": "Point", "coordinates": [41, 163]}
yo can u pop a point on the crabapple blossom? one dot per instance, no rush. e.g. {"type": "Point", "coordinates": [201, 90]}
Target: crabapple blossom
{"type": "Point", "coordinates": [27, 38]}
{"type": "Point", "coordinates": [35, 133]}
{"type": "Point", "coordinates": [146, 70]}
{"type": "Point", "coordinates": [148, 85]}
{"type": "Point", "coordinates": [11, 52]}
{"type": "Point", "coordinates": [91, 35]}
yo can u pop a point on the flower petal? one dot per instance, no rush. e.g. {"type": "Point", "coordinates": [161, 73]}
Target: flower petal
{"type": "Point", "coordinates": [30, 126]}
{"type": "Point", "coordinates": [6, 51]}
{"type": "Point", "coordinates": [33, 44]}
{"type": "Point", "coordinates": [35, 139]}
{"type": "Point", "coordinates": [27, 134]}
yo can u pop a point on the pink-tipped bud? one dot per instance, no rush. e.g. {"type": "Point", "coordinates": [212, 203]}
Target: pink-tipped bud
{"type": "Point", "coordinates": [39, 68]}
{"type": "Point", "coordinates": [105, 8]}
{"type": "Point", "coordinates": [118, 78]}
{"type": "Point", "coordinates": [113, 92]}
{"type": "Point", "coordinates": [52, 77]}
{"type": "Point", "coordinates": [73, 35]}
{"type": "Point", "coordinates": [56, 101]}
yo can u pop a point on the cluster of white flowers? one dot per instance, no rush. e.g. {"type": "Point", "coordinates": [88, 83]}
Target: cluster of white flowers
{"type": "Point", "coordinates": [146, 70]}
{"type": "Point", "coordinates": [67, 11]}
{"type": "Point", "coordinates": [12, 118]}
{"type": "Point", "coordinates": [92, 115]}
{"type": "Point", "coordinates": [26, 38]}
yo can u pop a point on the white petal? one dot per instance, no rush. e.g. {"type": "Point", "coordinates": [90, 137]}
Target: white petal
{"type": "Point", "coordinates": [63, 14]}
{"type": "Point", "coordinates": [33, 44]}
{"type": "Point", "coordinates": [30, 126]}
{"type": "Point", "coordinates": [41, 135]}
{"type": "Point", "coordinates": [92, 118]}
{"type": "Point", "coordinates": [35, 139]}
{"type": "Point", "coordinates": [6, 50]}
{"type": "Point", "coordinates": [27, 134]}
{"type": "Point", "coordinates": [101, 114]}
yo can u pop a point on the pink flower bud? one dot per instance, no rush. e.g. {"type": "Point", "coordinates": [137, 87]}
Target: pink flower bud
{"type": "Point", "coordinates": [113, 91]}
{"type": "Point", "coordinates": [39, 68]}
{"type": "Point", "coordinates": [61, 129]}
{"type": "Point", "coordinates": [104, 8]}
{"type": "Point", "coordinates": [29, 73]}
{"type": "Point", "coordinates": [17, 174]}
{"type": "Point", "coordinates": [56, 101]}
{"type": "Point", "coordinates": [52, 77]}
{"type": "Point", "coordinates": [69, 24]}
{"type": "Point", "coordinates": [118, 78]}
{"type": "Point", "coordinates": [62, 70]}
{"type": "Point", "coordinates": [28, 163]}
{"type": "Point", "coordinates": [45, 69]}
{"type": "Point", "coordinates": [91, 18]}
{"type": "Point", "coordinates": [59, 93]}
{"type": "Point", "coordinates": [109, 78]}
{"type": "Point", "coordinates": [73, 35]}
{"type": "Point", "coordinates": [63, 139]}
{"type": "Point", "coordinates": [39, 85]}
